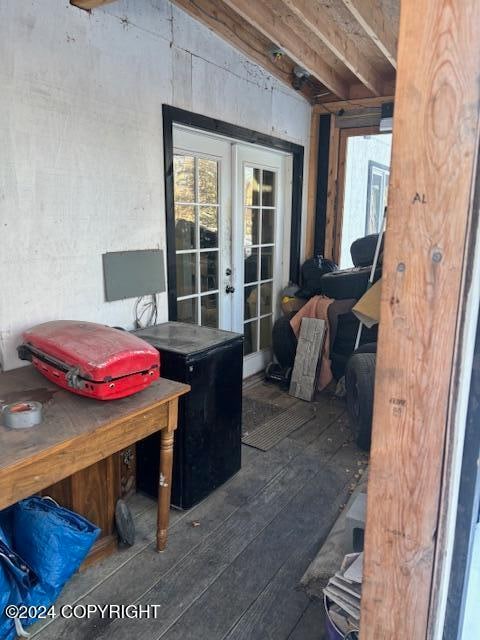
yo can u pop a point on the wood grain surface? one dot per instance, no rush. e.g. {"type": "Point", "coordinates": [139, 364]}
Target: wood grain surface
{"type": "Point", "coordinates": [339, 40]}
{"type": "Point", "coordinates": [75, 433]}
{"type": "Point", "coordinates": [371, 16]}
{"type": "Point", "coordinates": [312, 184]}
{"type": "Point", "coordinates": [435, 147]}
{"type": "Point", "coordinates": [300, 44]}
{"type": "Point", "coordinates": [304, 380]}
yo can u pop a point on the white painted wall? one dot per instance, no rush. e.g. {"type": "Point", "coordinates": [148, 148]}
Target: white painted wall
{"type": "Point", "coordinates": [81, 157]}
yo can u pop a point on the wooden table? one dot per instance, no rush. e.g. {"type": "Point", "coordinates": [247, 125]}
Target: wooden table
{"type": "Point", "coordinates": [77, 439]}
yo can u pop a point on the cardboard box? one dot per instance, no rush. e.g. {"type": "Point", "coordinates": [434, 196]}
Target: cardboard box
{"type": "Point", "coordinates": [367, 308]}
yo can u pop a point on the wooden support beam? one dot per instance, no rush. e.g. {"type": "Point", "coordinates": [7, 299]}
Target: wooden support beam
{"type": "Point", "coordinates": [428, 259]}
{"type": "Point", "coordinates": [370, 15]}
{"type": "Point", "coordinates": [332, 189]}
{"type": "Point", "coordinates": [340, 43]}
{"type": "Point", "coordinates": [312, 184]}
{"type": "Point", "coordinates": [89, 4]}
{"type": "Point", "coordinates": [346, 105]}
{"type": "Point", "coordinates": [286, 32]}
{"type": "Point", "coordinates": [239, 33]}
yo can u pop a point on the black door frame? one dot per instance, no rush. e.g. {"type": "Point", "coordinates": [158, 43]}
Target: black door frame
{"type": "Point", "coordinates": [174, 115]}
{"type": "Point", "coordinates": [323, 160]}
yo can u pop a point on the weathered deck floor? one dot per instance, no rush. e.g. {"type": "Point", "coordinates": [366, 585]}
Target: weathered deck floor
{"type": "Point", "coordinates": [235, 575]}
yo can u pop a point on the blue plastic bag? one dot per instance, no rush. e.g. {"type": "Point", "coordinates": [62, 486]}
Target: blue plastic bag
{"type": "Point", "coordinates": [17, 581]}
{"type": "Point", "coordinates": [5, 591]}
{"type": "Point", "coordinates": [53, 540]}
{"type": "Point", "coordinates": [41, 546]}
{"type": "Point", "coordinates": [6, 525]}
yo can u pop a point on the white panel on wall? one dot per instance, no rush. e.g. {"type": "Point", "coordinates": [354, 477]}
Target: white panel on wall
{"type": "Point", "coordinates": [226, 96]}
{"type": "Point", "coordinates": [81, 160]}
{"type": "Point", "coordinates": [190, 35]}
{"type": "Point", "coordinates": [149, 16]}
{"type": "Point", "coordinates": [182, 78]}
{"type": "Point", "coordinates": [290, 115]}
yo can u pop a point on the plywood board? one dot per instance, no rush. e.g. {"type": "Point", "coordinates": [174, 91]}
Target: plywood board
{"type": "Point", "coordinates": [310, 343]}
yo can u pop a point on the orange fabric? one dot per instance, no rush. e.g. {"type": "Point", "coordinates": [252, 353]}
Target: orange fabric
{"type": "Point", "coordinates": [317, 307]}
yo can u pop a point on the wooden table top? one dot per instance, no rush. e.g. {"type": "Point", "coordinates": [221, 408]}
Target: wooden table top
{"type": "Point", "coordinates": [66, 415]}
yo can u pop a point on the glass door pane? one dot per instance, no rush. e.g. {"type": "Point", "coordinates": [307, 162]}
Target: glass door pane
{"type": "Point", "coordinates": [197, 211]}
{"type": "Point", "coordinates": [259, 219]}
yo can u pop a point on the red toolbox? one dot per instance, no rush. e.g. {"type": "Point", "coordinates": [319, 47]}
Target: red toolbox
{"type": "Point", "coordinates": [91, 359]}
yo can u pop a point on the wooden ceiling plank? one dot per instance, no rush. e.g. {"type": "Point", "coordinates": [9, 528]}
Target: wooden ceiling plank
{"type": "Point", "coordinates": [372, 19]}
{"type": "Point", "coordinates": [359, 90]}
{"type": "Point", "coordinates": [339, 42]}
{"type": "Point", "coordinates": [260, 16]}
{"type": "Point", "coordinates": [240, 34]}
{"type": "Point", "coordinates": [89, 4]}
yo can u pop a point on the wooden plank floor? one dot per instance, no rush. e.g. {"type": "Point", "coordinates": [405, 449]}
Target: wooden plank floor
{"type": "Point", "coordinates": [235, 574]}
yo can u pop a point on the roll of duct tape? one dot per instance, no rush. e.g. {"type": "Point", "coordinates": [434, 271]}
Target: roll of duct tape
{"type": "Point", "coordinates": [22, 415]}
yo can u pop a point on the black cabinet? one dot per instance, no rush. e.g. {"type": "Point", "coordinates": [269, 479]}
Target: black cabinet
{"type": "Point", "coordinates": [207, 449]}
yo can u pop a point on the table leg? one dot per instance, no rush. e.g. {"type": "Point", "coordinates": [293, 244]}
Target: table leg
{"type": "Point", "coordinates": [164, 487]}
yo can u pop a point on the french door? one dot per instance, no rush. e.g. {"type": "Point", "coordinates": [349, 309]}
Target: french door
{"type": "Point", "coordinates": [202, 196]}
{"type": "Point", "coordinates": [260, 216]}
{"type": "Point", "coordinates": [231, 259]}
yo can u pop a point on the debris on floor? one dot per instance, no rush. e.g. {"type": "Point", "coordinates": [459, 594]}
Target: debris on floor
{"type": "Point", "coordinates": [343, 595]}
{"type": "Point", "coordinates": [340, 541]}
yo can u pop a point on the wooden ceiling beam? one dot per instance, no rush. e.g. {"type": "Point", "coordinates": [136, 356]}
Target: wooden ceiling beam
{"type": "Point", "coordinates": [371, 17]}
{"type": "Point", "coordinates": [89, 4]}
{"type": "Point", "coordinates": [286, 35]}
{"type": "Point", "coordinates": [239, 33]}
{"type": "Point", "coordinates": [339, 42]}
{"type": "Point", "coordinates": [346, 105]}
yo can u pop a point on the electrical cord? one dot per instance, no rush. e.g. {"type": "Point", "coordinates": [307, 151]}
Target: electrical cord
{"type": "Point", "coordinates": [146, 311]}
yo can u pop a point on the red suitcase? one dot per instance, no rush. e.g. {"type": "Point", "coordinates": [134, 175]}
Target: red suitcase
{"type": "Point", "coordinates": [91, 359]}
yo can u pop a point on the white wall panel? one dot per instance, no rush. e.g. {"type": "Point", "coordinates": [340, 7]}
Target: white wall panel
{"type": "Point", "coordinates": [81, 156]}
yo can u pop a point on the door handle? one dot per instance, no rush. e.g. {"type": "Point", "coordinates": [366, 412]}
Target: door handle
{"type": "Point", "coordinates": [229, 289]}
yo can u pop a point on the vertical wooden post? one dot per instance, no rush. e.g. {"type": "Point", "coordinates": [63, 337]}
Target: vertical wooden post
{"type": "Point", "coordinates": [331, 213]}
{"type": "Point", "coordinates": [435, 146]}
{"type": "Point", "coordinates": [312, 183]}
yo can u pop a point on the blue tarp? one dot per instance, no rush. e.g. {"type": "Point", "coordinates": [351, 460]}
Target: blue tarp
{"type": "Point", "coordinates": [41, 547]}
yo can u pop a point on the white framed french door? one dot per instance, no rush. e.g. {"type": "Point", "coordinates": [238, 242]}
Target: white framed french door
{"type": "Point", "coordinates": [232, 216]}
{"type": "Point", "coordinates": [203, 219]}
{"type": "Point", "coordinates": [261, 215]}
